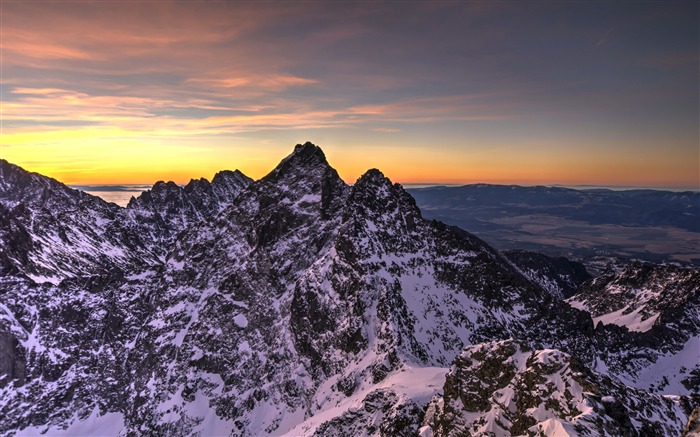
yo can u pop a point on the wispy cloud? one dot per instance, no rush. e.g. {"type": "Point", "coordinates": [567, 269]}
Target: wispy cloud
{"type": "Point", "coordinates": [251, 82]}
{"type": "Point", "coordinates": [164, 75]}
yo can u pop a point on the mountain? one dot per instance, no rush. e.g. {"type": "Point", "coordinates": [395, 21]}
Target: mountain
{"type": "Point", "coordinates": [322, 290]}
{"type": "Point", "coordinates": [506, 388]}
{"type": "Point", "coordinates": [660, 305]}
{"type": "Point", "coordinates": [51, 232]}
{"type": "Point", "coordinates": [299, 305]}
{"type": "Point", "coordinates": [652, 225]}
{"type": "Point", "coordinates": [595, 206]}
{"type": "Point", "coordinates": [168, 209]}
{"type": "Point", "coordinates": [559, 276]}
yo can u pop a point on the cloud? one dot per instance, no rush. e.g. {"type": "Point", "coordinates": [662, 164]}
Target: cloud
{"type": "Point", "coordinates": [196, 73]}
{"type": "Point", "coordinates": [441, 108]}
{"type": "Point", "coordinates": [261, 83]}
{"type": "Point", "coordinates": [130, 115]}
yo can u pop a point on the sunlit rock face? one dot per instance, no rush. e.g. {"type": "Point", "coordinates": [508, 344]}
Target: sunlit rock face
{"type": "Point", "coordinates": [300, 305]}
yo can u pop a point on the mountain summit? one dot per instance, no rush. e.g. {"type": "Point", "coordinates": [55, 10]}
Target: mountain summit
{"type": "Point", "coordinates": [299, 305]}
{"type": "Point", "coordinates": [306, 157]}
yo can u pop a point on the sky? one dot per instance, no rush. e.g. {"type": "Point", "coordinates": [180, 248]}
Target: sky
{"type": "Point", "coordinates": [541, 92]}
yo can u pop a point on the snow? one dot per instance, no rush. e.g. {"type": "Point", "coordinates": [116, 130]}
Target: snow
{"type": "Point", "coordinates": [109, 424]}
{"type": "Point", "coordinates": [554, 427]}
{"type": "Point", "coordinates": [141, 276]}
{"type": "Point", "coordinates": [309, 198]}
{"type": "Point", "coordinates": [577, 304]}
{"type": "Point", "coordinates": [39, 279]}
{"type": "Point", "coordinates": [633, 321]}
{"type": "Point", "coordinates": [673, 367]}
{"type": "Point", "coordinates": [244, 347]}
{"type": "Point", "coordinates": [419, 384]}
{"type": "Point", "coordinates": [176, 265]}
{"type": "Point", "coordinates": [240, 320]}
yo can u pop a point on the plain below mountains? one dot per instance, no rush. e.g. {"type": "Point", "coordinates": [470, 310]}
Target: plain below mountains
{"type": "Point", "coordinates": [587, 225]}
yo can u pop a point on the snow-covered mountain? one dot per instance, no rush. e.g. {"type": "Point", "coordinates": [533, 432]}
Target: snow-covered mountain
{"type": "Point", "coordinates": [167, 209]}
{"type": "Point", "coordinates": [641, 296]}
{"type": "Point", "coordinates": [660, 307]}
{"type": "Point", "coordinates": [505, 388]}
{"type": "Point", "coordinates": [299, 305]}
{"type": "Point", "coordinates": [50, 232]}
{"type": "Point", "coordinates": [559, 276]}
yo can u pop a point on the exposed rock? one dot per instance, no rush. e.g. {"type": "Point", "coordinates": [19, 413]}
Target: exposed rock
{"type": "Point", "coordinates": [559, 276]}
{"type": "Point", "coordinates": [503, 388]}
{"type": "Point", "coordinates": [295, 304]}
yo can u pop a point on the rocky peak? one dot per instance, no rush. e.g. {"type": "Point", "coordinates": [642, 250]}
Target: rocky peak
{"type": "Point", "coordinates": [375, 190]}
{"type": "Point", "coordinates": [374, 176]}
{"type": "Point", "coordinates": [304, 178]}
{"type": "Point", "coordinates": [162, 190]}
{"type": "Point", "coordinates": [168, 208]}
{"type": "Point", "coordinates": [306, 161]}
{"type": "Point", "coordinates": [19, 185]}
{"type": "Point", "coordinates": [503, 388]}
{"type": "Point", "coordinates": [388, 205]}
{"type": "Point", "coordinates": [52, 232]}
{"type": "Point", "coordinates": [230, 181]}
{"type": "Point", "coordinates": [198, 184]}
{"type": "Point", "coordinates": [199, 197]}
{"type": "Point", "coordinates": [309, 149]}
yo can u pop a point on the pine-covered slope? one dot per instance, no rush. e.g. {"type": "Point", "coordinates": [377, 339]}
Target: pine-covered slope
{"type": "Point", "coordinates": [292, 305]}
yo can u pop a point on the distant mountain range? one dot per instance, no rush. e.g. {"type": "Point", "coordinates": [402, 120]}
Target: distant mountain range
{"type": "Point", "coordinates": [299, 305]}
{"type": "Point", "coordinates": [645, 224]}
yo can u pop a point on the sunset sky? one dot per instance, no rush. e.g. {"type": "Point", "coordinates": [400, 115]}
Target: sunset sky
{"type": "Point", "coordinates": [602, 93]}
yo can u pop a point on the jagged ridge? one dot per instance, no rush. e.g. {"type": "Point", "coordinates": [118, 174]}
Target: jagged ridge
{"type": "Point", "coordinates": [285, 310]}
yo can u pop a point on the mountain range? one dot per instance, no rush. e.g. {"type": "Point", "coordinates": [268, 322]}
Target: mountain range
{"type": "Point", "coordinates": [590, 225]}
{"type": "Point", "coordinates": [300, 305]}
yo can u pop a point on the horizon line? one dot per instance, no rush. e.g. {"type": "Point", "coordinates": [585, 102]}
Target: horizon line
{"type": "Point", "coordinates": [123, 187]}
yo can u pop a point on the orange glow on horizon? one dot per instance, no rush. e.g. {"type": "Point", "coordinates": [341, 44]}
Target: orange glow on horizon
{"type": "Point", "coordinates": [136, 92]}
{"type": "Point", "coordinates": [111, 165]}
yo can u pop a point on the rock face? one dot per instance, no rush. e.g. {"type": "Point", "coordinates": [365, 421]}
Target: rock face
{"type": "Point", "coordinates": [295, 305]}
{"type": "Point", "coordinates": [504, 388]}
{"type": "Point", "coordinates": [657, 307]}
{"type": "Point", "coordinates": [51, 232]}
{"type": "Point", "coordinates": [641, 296]}
{"type": "Point", "coordinates": [559, 276]}
{"type": "Point", "coordinates": [168, 209]}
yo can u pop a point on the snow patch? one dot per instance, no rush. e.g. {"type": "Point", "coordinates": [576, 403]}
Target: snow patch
{"type": "Point", "coordinates": [109, 424]}
{"type": "Point", "coordinates": [633, 321]}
